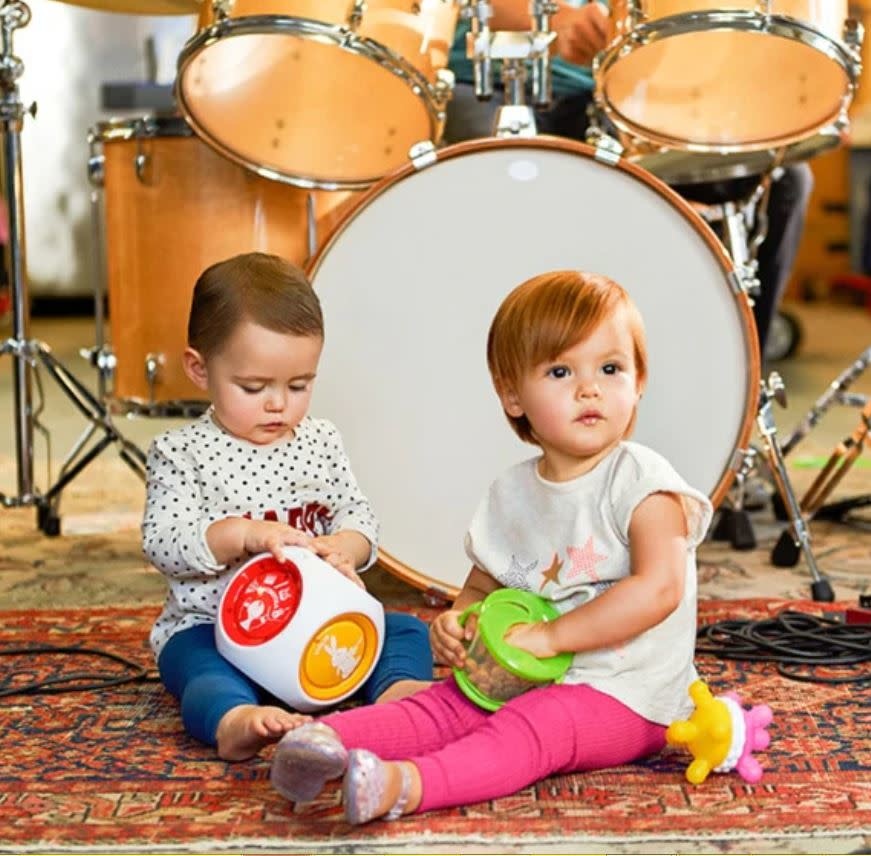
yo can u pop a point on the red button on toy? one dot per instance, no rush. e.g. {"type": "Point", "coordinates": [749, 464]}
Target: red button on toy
{"type": "Point", "coordinates": [260, 601]}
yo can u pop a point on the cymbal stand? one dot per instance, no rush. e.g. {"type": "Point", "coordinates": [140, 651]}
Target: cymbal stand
{"type": "Point", "coordinates": [836, 393]}
{"type": "Point", "coordinates": [515, 118]}
{"type": "Point", "coordinates": [841, 459]}
{"type": "Point", "coordinates": [30, 355]}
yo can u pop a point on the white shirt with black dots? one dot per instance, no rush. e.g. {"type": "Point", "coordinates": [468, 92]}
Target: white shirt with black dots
{"type": "Point", "coordinates": [199, 474]}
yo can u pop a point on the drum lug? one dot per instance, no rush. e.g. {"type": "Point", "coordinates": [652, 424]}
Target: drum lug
{"type": "Point", "coordinates": [744, 280]}
{"type": "Point", "coordinates": [356, 16]}
{"type": "Point", "coordinates": [222, 9]}
{"type": "Point", "coordinates": [608, 150]}
{"type": "Point", "coordinates": [96, 169]}
{"type": "Point", "coordinates": [153, 362]}
{"type": "Point", "coordinates": [443, 88]}
{"type": "Point", "coordinates": [140, 161]}
{"type": "Point", "coordinates": [422, 154]}
{"type": "Point", "coordinates": [853, 36]}
{"type": "Point", "coordinates": [102, 359]}
{"type": "Point", "coordinates": [96, 159]}
{"type": "Point", "coordinates": [743, 461]}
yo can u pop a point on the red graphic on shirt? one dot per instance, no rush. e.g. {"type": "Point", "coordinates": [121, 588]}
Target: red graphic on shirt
{"type": "Point", "coordinates": [260, 601]}
{"type": "Point", "coordinates": [311, 518]}
{"type": "Point", "coordinates": [584, 561]}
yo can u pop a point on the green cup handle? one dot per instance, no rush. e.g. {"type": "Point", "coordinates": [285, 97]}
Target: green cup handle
{"type": "Point", "coordinates": [473, 609]}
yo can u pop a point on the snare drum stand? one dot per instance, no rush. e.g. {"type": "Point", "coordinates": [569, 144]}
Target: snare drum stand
{"type": "Point", "coordinates": [734, 523]}
{"type": "Point", "coordinates": [30, 354]}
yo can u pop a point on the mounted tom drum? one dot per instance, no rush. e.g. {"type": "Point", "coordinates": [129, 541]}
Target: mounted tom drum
{"type": "Point", "coordinates": [318, 93]}
{"type": "Point", "coordinates": [727, 75]}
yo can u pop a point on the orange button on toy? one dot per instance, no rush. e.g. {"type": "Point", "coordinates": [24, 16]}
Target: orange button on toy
{"type": "Point", "coordinates": [338, 656]}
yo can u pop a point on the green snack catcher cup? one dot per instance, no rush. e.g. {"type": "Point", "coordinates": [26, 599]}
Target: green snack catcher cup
{"type": "Point", "coordinates": [496, 671]}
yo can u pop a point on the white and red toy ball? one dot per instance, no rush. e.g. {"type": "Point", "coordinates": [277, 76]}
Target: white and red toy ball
{"type": "Point", "coordinates": [299, 629]}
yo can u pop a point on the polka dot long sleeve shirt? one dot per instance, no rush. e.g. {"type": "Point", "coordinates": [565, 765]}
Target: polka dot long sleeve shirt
{"type": "Point", "coordinates": [199, 474]}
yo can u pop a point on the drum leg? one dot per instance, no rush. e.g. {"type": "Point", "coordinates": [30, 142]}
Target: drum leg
{"type": "Point", "coordinates": [770, 391]}
{"type": "Point", "coordinates": [733, 523]}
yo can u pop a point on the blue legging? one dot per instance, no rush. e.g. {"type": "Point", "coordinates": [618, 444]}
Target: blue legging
{"type": "Point", "coordinates": [208, 686]}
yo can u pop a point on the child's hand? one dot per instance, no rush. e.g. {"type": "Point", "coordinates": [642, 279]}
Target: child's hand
{"type": "Point", "coordinates": [270, 536]}
{"type": "Point", "coordinates": [534, 638]}
{"type": "Point", "coordinates": [331, 549]}
{"type": "Point", "coordinates": [446, 636]}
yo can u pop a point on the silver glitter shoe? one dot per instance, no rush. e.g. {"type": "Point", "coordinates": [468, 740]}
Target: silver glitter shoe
{"type": "Point", "coordinates": [364, 786]}
{"type": "Point", "coordinates": [305, 760]}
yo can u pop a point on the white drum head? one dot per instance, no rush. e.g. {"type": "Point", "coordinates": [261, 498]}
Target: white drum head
{"type": "Point", "coordinates": [410, 283]}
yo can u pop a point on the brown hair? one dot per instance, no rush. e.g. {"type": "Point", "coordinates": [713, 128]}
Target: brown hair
{"type": "Point", "coordinates": [256, 287]}
{"type": "Point", "coordinates": [545, 316]}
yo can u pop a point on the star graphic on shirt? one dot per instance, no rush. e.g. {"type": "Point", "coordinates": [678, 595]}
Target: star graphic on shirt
{"type": "Point", "coordinates": [584, 560]}
{"type": "Point", "coordinates": [517, 575]}
{"type": "Point", "coordinates": [551, 575]}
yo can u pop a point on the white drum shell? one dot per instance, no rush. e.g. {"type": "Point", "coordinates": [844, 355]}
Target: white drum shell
{"type": "Point", "coordinates": [274, 664]}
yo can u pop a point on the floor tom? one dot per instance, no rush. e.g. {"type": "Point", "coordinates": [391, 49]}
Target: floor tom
{"type": "Point", "coordinates": [171, 206]}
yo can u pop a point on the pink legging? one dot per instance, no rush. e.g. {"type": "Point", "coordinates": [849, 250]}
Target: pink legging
{"type": "Point", "coordinates": [466, 755]}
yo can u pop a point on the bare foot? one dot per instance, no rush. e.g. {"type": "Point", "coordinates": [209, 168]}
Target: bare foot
{"type": "Point", "coordinates": [401, 689]}
{"type": "Point", "coordinates": [245, 729]}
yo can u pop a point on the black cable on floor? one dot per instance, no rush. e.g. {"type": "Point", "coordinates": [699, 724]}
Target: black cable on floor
{"type": "Point", "coordinates": [804, 647]}
{"type": "Point", "coordinates": [71, 681]}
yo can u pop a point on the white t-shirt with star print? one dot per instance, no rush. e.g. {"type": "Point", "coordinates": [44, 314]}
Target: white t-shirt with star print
{"type": "Point", "coordinates": [568, 541]}
{"type": "Point", "coordinates": [199, 474]}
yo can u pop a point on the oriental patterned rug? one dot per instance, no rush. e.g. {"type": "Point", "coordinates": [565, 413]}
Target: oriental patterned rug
{"type": "Point", "coordinates": [112, 770]}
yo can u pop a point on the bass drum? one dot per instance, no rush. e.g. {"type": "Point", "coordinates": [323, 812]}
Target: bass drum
{"type": "Point", "coordinates": [412, 277]}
